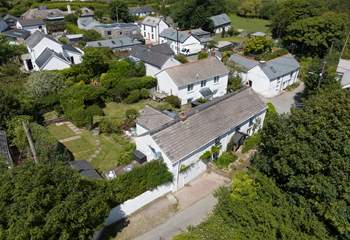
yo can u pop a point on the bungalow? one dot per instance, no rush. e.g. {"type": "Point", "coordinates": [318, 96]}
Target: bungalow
{"type": "Point", "coordinates": [268, 78]}
{"type": "Point", "coordinates": [32, 25]}
{"type": "Point", "coordinates": [185, 42]}
{"type": "Point", "coordinates": [141, 11]}
{"type": "Point", "coordinates": [117, 44]}
{"type": "Point", "coordinates": [155, 58]}
{"type": "Point", "coordinates": [221, 23]}
{"type": "Point", "coordinates": [110, 30]}
{"type": "Point", "coordinates": [151, 27]}
{"type": "Point", "coordinates": [343, 72]}
{"type": "Point", "coordinates": [205, 78]}
{"type": "Point", "coordinates": [16, 36]}
{"type": "Point", "coordinates": [181, 141]}
{"type": "Point", "coordinates": [45, 53]}
{"type": "Point", "coordinates": [4, 149]}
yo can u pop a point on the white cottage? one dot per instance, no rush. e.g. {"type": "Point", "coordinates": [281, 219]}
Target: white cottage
{"type": "Point", "coordinates": [156, 58]}
{"type": "Point", "coordinates": [205, 78]}
{"type": "Point", "coordinates": [45, 53]}
{"type": "Point", "coordinates": [180, 142]}
{"type": "Point", "coordinates": [151, 27]}
{"type": "Point", "coordinates": [221, 23]}
{"type": "Point", "coordinates": [268, 78]}
{"type": "Point", "coordinates": [31, 25]}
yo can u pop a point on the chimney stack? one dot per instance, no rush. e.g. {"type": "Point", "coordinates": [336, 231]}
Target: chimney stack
{"type": "Point", "coordinates": [183, 116]}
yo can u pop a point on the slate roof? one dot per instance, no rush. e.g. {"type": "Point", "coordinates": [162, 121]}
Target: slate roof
{"type": "Point", "coordinates": [193, 72]}
{"type": "Point", "coordinates": [148, 55]}
{"type": "Point", "coordinates": [43, 13]}
{"type": "Point", "coordinates": [345, 80]}
{"type": "Point", "coordinates": [85, 169]}
{"type": "Point", "coordinates": [151, 21]}
{"type": "Point", "coordinates": [4, 148]}
{"type": "Point", "coordinates": [36, 37]}
{"type": "Point", "coordinates": [207, 122]}
{"type": "Point", "coordinates": [46, 55]}
{"type": "Point", "coordinates": [139, 10]}
{"type": "Point", "coordinates": [114, 43]}
{"type": "Point", "coordinates": [3, 25]}
{"type": "Point", "coordinates": [10, 20]}
{"type": "Point", "coordinates": [86, 12]}
{"type": "Point", "coordinates": [17, 33]}
{"type": "Point", "coordinates": [152, 119]}
{"type": "Point", "coordinates": [181, 36]}
{"type": "Point", "coordinates": [31, 22]}
{"type": "Point", "coordinates": [71, 49]}
{"type": "Point", "coordinates": [343, 66]}
{"type": "Point", "coordinates": [221, 20]}
{"type": "Point", "coordinates": [163, 48]}
{"type": "Point", "coordinates": [273, 69]}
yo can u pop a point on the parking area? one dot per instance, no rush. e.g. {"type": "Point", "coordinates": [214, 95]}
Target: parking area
{"type": "Point", "coordinates": [285, 101]}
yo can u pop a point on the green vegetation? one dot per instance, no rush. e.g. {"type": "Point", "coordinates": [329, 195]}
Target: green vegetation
{"type": "Point", "coordinates": [61, 132]}
{"type": "Point", "coordinates": [249, 25]}
{"type": "Point", "coordinates": [251, 142]}
{"type": "Point", "coordinates": [293, 86]}
{"type": "Point", "coordinates": [257, 45]}
{"type": "Point", "coordinates": [225, 160]}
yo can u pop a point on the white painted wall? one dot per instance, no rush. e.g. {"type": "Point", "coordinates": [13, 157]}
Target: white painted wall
{"type": "Point", "coordinates": [153, 70]}
{"type": "Point", "coordinates": [78, 58]}
{"type": "Point", "coordinates": [220, 29]}
{"type": "Point", "coordinates": [192, 44]}
{"type": "Point", "coordinates": [43, 44]}
{"type": "Point", "coordinates": [32, 29]}
{"type": "Point", "coordinates": [56, 64]}
{"type": "Point", "coordinates": [151, 33]}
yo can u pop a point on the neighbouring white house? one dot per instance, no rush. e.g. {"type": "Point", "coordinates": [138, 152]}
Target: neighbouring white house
{"type": "Point", "coordinates": [180, 141]}
{"type": "Point", "coordinates": [205, 78]}
{"type": "Point", "coordinates": [221, 22]}
{"type": "Point", "coordinates": [31, 25]}
{"type": "Point", "coordinates": [268, 78]}
{"type": "Point", "coordinates": [156, 58]}
{"type": "Point", "coordinates": [343, 72]}
{"type": "Point", "coordinates": [185, 42]}
{"type": "Point", "coordinates": [151, 27]}
{"type": "Point", "coordinates": [45, 53]}
{"type": "Point", "coordinates": [142, 11]}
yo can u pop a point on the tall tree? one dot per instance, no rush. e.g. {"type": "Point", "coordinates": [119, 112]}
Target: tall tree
{"type": "Point", "coordinates": [119, 11]}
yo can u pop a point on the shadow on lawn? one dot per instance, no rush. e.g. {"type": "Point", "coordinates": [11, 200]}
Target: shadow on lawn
{"type": "Point", "coordinates": [112, 230]}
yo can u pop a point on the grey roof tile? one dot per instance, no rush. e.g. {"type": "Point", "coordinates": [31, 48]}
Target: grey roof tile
{"type": "Point", "coordinates": [193, 72]}
{"type": "Point", "coordinates": [3, 25]}
{"type": "Point", "coordinates": [151, 21]}
{"type": "Point", "coordinates": [147, 55]}
{"type": "Point", "coordinates": [280, 66]}
{"type": "Point", "coordinates": [206, 123]}
{"type": "Point", "coordinates": [163, 48]}
{"type": "Point", "coordinates": [70, 48]}
{"type": "Point", "coordinates": [36, 37]}
{"type": "Point", "coordinates": [31, 22]}
{"type": "Point", "coordinates": [46, 55]}
{"type": "Point", "coordinates": [221, 20]}
{"type": "Point", "coordinates": [152, 119]}
{"type": "Point", "coordinates": [4, 148]}
{"type": "Point", "coordinates": [244, 62]}
{"type": "Point", "coordinates": [114, 43]}
{"type": "Point", "coordinates": [17, 33]}
{"type": "Point", "coordinates": [140, 10]}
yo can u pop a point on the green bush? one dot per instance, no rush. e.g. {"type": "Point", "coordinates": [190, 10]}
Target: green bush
{"type": "Point", "coordinates": [131, 114]}
{"type": "Point", "coordinates": [202, 55]}
{"type": "Point", "coordinates": [95, 110]}
{"type": "Point", "coordinates": [271, 55]}
{"type": "Point", "coordinates": [181, 58]}
{"type": "Point", "coordinates": [133, 97]}
{"type": "Point", "coordinates": [173, 101]}
{"type": "Point", "coordinates": [251, 142]}
{"type": "Point", "coordinates": [234, 84]}
{"type": "Point", "coordinates": [225, 159]}
{"type": "Point", "coordinates": [144, 93]}
{"type": "Point", "coordinates": [206, 156]}
{"type": "Point", "coordinates": [109, 125]}
{"type": "Point", "coordinates": [80, 117]}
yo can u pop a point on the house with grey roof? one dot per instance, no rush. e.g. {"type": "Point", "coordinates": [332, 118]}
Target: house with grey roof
{"type": "Point", "coordinates": [221, 22]}
{"type": "Point", "coordinates": [151, 27]}
{"type": "Point", "coordinates": [181, 141]}
{"type": "Point", "coordinates": [156, 58]}
{"type": "Point", "coordinates": [16, 36]}
{"type": "Point", "coordinates": [206, 78]}
{"type": "Point", "coordinates": [44, 13]}
{"type": "Point", "coordinates": [116, 44]}
{"type": "Point", "coordinates": [3, 25]}
{"type": "Point", "coordinates": [110, 30]}
{"type": "Point", "coordinates": [142, 11]}
{"type": "Point", "coordinates": [187, 42]}
{"type": "Point", "coordinates": [268, 78]}
{"type": "Point", "coordinates": [5, 154]}
{"type": "Point", "coordinates": [31, 25]}
{"type": "Point", "coordinates": [10, 20]}
{"type": "Point", "coordinates": [343, 73]}
{"type": "Point", "coordinates": [46, 53]}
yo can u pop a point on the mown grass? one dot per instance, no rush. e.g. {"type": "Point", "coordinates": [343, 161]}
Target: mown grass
{"type": "Point", "coordinates": [61, 132]}
{"type": "Point", "coordinates": [250, 25]}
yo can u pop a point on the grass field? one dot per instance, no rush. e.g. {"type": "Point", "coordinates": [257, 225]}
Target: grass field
{"type": "Point", "coordinates": [83, 147]}
{"type": "Point", "coordinates": [61, 132]}
{"type": "Point", "coordinates": [250, 24]}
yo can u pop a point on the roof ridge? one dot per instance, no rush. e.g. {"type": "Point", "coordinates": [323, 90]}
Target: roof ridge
{"type": "Point", "coordinates": [191, 63]}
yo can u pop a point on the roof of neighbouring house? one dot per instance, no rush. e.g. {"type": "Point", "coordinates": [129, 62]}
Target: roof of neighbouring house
{"type": "Point", "coordinates": [3, 25]}
{"type": "Point", "coordinates": [142, 9]}
{"type": "Point", "coordinates": [46, 55]}
{"type": "Point", "coordinates": [17, 33]}
{"type": "Point", "coordinates": [182, 36]}
{"type": "Point", "coordinates": [163, 48]}
{"type": "Point", "coordinates": [150, 56]}
{"type": "Point", "coordinates": [273, 69]}
{"type": "Point", "coordinates": [151, 21]}
{"type": "Point", "coordinates": [86, 12]}
{"type": "Point", "coordinates": [343, 66]}
{"type": "Point", "coordinates": [36, 37]}
{"type": "Point", "coordinates": [114, 43]}
{"type": "Point", "coordinates": [43, 13]}
{"type": "Point", "coordinates": [345, 80]}
{"type": "Point", "coordinates": [207, 122]}
{"type": "Point", "coordinates": [152, 119]}
{"type": "Point", "coordinates": [31, 22]}
{"type": "Point", "coordinates": [85, 169]}
{"type": "Point", "coordinates": [193, 72]}
{"type": "Point", "coordinates": [71, 49]}
{"type": "Point", "coordinates": [4, 148]}
{"type": "Point", "coordinates": [220, 20]}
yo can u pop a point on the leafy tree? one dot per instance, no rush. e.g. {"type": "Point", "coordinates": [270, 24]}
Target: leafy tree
{"type": "Point", "coordinates": [119, 11]}
{"type": "Point", "coordinates": [71, 18]}
{"type": "Point", "coordinates": [94, 61]}
{"type": "Point", "coordinates": [43, 83]}
{"type": "Point", "coordinates": [307, 155]}
{"type": "Point", "coordinates": [250, 8]}
{"type": "Point", "coordinates": [8, 52]}
{"type": "Point", "coordinates": [173, 100]}
{"type": "Point", "coordinates": [257, 45]}
{"type": "Point", "coordinates": [9, 106]}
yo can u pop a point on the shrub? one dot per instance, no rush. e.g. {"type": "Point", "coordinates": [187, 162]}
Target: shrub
{"type": "Point", "coordinates": [225, 159]}
{"type": "Point", "coordinates": [131, 114]}
{"type": "Point", "coordinates": [181, 58]}
{"type": "Point", "coordinates": [271, 55]}
{"type": "Point", "coordinates": [109, 125]}
{"type": "Point", "coordinates": [251, 142]}
{"type": "Point", "coordinates": [234, 84]}
{"type": "Point", "coordinates": [95, 110]}
{"type": "Point", "coordinates": [206, 156]}
{"type": "Point", "coordinates": [202, 100]}
{"type": "Point", "coordinates": [144, 93]}
{"type": "Point", "coordinates": [202, 55]}
{"type": "Point", "coordinates": [133, 97]}
{"type": "Point", "coordinates": [173, 101]}
{"type": "Point", "coordinates": [80, 117]}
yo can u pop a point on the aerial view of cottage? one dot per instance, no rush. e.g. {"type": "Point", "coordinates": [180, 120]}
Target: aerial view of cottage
{"type": "Point", "coordinates": [174, 119]}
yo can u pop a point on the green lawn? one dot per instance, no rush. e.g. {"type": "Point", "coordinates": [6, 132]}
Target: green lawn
{"type": "Point", "coordinates": [83, 147]}
{"type": "Point", "coordinates": [116, 150]}
{"type": "Point", "coordinates": [250, 24]}
{"type": "Point", "coordinates": [61, 132]}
